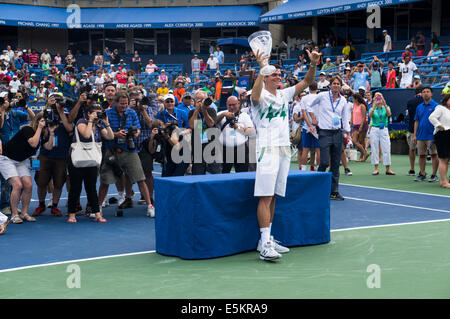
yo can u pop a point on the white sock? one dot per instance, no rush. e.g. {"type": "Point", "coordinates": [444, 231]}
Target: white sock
{"type": "Point", "coordinates": [265, 234]}
{"type": "Point", "coordinates": [270, 228]}
{"type": "Point", "coordinates": [304, 168]}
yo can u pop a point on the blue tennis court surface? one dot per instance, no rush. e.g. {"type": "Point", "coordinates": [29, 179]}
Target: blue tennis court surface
{"type": "Point", "coordinates": [52, 239]}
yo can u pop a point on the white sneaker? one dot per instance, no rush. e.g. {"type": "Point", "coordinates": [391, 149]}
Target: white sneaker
{"type": "Point", "coordinates": [150, 211]}
{"type": "Point", "coordinates": [121, 199]}
{"type": "Point", "coordinates": [105, 202]}
{"type": "Point", "coordinates": [50, 202]}
{"type": "Point", "coordinates": [278, 248]}
{"type": "Point", "coordinates": [268, 252]}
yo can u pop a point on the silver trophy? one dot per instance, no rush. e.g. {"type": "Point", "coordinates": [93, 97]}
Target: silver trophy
{"type": "Point", "coordinates": [262, 41]}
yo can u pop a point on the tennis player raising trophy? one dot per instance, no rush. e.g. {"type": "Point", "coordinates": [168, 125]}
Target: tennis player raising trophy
{"type": "Point", "coordinates": [270, 114]}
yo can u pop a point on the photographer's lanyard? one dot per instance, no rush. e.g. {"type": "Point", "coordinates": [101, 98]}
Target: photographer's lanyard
{"type": "Point", "coordinates": [335, 120]}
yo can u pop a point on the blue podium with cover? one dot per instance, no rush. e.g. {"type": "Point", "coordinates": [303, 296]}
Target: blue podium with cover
{"type": "Point", "coordinates": [207, 216]}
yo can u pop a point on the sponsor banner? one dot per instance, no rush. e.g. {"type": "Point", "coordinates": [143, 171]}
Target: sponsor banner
{"type": "Point", "coordinates": [330, 10]}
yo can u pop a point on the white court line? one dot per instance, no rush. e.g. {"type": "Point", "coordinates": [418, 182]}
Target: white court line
{"type": "Point", "coordinates": [395, 204]}
{"type": "Point", "coordinates": [153, 251]}
{"type": "Point", "coordinates": [77, 260]}
{"type": "Point", "coordinates": [396, 190]}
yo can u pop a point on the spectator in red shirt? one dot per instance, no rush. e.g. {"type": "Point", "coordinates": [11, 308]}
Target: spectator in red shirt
{"type": "Point", "coordinates": [406, 53]}
{"type": "Point", "coordinates": [121, 78]}
{"type": "Point", "coordinates": [391, 76]}
{"type": "Point", "coordinates": [34, 58]}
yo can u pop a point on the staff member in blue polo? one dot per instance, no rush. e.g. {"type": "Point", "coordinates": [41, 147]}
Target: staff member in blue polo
{"type": "Point", "coordinates": [423, 135]}
{"type": "Point", "coordinates": [122, 153]}
{"type": "Point", "coordinates": [334, 125]}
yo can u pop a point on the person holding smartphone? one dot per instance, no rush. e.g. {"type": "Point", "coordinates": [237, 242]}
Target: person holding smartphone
{"type": "Point", "coordinates": [379, 134]}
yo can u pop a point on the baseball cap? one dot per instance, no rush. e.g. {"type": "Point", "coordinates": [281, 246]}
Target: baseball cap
{"type": "Point", "coordinates": [362, 88]}
{"type": "Point", "coordinates": [169, 96]}
{"type": "Point", "coordinates": [322, 73]}
{"type": "Point", "coordinates": [384, 31]}
{"type": "Point", "coordinates": [417, 76]}
{"type": "Point", "coordinates": [187, 94]}
{"type": "Point", "coordinates": [328, 59]}
{"type": "Point", "coordinates": [42, 82]}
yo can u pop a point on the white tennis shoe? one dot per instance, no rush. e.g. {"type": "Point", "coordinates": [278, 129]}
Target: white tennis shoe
{"type": "Point", "coordinates": [268, 252]}
{"type": "Point", "coordinates": [276, 245]}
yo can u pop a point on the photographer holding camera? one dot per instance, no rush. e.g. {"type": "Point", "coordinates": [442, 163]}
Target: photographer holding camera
{"type": "Point", "coordinates": [11, 119]}
{"type": "Point", "coordinates": [201, 119]}
{"type": "Point", "coordinates": [140, 105]}
{"type": "Point", "coordinates": [172, 119]}
{"type": "Point", "coordinates": [236, 127]}
{"type": "Point", "coordinates": [95, 124]}
{"type": "Point", "coordinates": [53, 163]}
{"type": "Point", "coordinates": [121, 154]}
{"type": "Point", "coordinates": [14, 164]}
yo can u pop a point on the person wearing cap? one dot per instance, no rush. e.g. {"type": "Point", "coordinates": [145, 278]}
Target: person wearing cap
{"type": "Point", "coordinates": [170, 116]}
{"type": "Point", "coordinates": [376, 66]}
{"type": "Point", "coordinates": [387, 42]}
{"type": "Point", "coordinates": [435, 52]}
{"type": "Point", "coordinates": [15, 84]}
{"type": "Point", "coordinates": [162, 78]}
{"type": "Point", "coordinates": [186, 103]}
{"type": "Point", "coordinates": [328, 65]}
{"type": "Point", "coordinates": [195, 64]}
{"type": "Point", "coordinates": [323, 83]}
{"type": "Point", "coordinates": [212, 63]}
{"type": "Point", "coordinates": [270, 115]}
{"type": "Point", "coordinates": [360, 74]}
{"type": "Point", "coordinates": [416, 82]}
{"type": "Point", "coordinates": [406, 72]}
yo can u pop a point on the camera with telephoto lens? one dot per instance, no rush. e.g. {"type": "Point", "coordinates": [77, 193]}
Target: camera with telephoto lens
{"type": "Point", "coordinates": [63, 102]}
{"type": "Point", "coordinates": [50, 119]}
{"type": "Point", "coordinates": [130, 138]}
{"type": "Point", "coordinates": [207, 102]}
{"type": "Point", "coordinates": [165, 131]}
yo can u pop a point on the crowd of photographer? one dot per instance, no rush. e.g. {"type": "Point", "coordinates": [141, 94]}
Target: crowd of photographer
{"type": "Point", "coordinates": [133, 129]}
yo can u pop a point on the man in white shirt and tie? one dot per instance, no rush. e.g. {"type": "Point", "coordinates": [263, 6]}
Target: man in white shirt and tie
{"type": "Point", "coordinates": [333, 125]}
